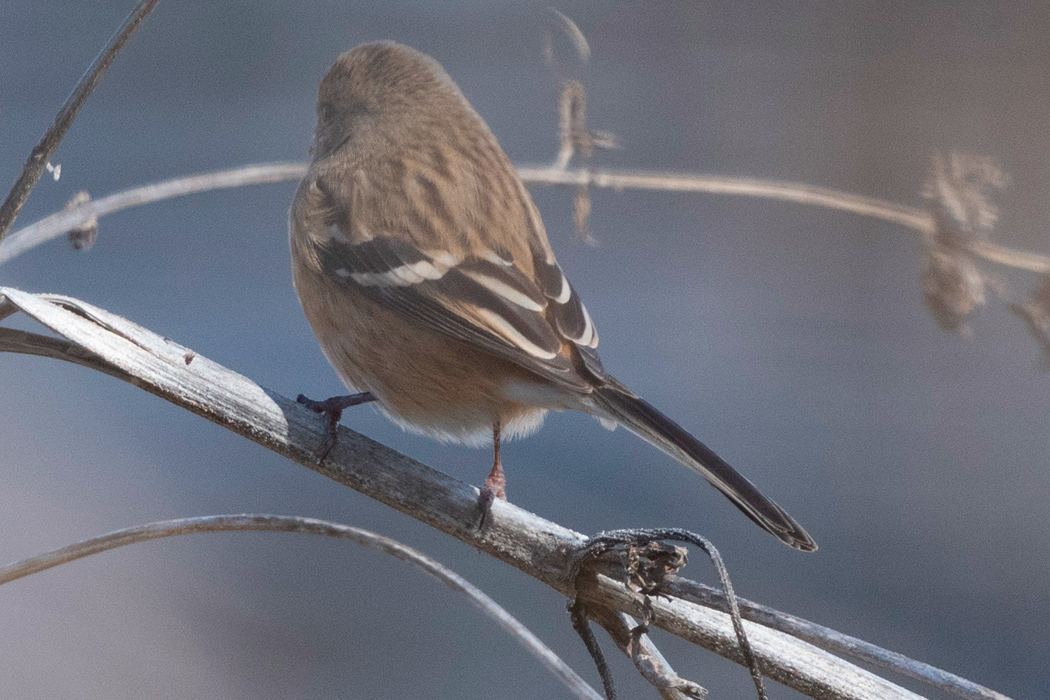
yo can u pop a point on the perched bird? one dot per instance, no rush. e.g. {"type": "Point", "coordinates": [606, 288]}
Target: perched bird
{"type": "Point", "coordinates": [425, 271]}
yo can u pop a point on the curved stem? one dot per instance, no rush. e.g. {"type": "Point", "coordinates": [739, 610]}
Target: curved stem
{"type": "Point", "coordinates": [800, 193]}
{"type": "Point", "coordinates": [308, 526]}
{"type": "Point", "coordinates": [63, 222]}
{"type": "Point", "coordinates": [914, 218]}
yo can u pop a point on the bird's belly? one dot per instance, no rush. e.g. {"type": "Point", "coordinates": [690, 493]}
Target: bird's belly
{"type": "Point", "coordinates": [424, 381]}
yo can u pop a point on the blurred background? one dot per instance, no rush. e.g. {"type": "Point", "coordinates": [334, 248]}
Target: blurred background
{"type": "Point", "coordinates": [793, 340]}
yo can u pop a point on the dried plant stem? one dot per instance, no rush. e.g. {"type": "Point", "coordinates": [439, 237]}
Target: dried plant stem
{"type": "Point", "coordinates": [650, 662]}
{"type": "Point", "coordinates": [310, 526]}
{"type": "Point", "coordinates": [63, 222]}
{"type": "Point", "coordinates": [1022, 260]}
{"type": "Point", "coordinates": [715, 184]}
{"type": "Point", "coordinates": [41, 154]}
{"type": "Point", "coordinates": [582, 626]}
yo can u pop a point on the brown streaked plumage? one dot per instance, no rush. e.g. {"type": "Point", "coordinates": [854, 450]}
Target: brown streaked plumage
{"type": "Point", "coordinates": [424, 269]}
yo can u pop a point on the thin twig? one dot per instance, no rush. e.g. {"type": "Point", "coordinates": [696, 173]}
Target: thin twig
{"type": "Point", "coordinates": [567, 27]}
{"type": "Point", "coordinates": [717, 184]}
{"type": "Point", "coordinates": [310, 526]}
{"type": "Point", "coordinates": [71, 218]}
{"type": "Point", "coordinates": [582, 626]}
{"type": "Point", "coordinates": [1009, 257]}
{"type": "Point", "coordinates": [649, 672]}
{"type": "Point", "coordinates": [41, 154]}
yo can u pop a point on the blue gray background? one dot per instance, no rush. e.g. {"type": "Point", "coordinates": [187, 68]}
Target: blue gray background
{"type": "Point", "coordinates": [791, 339]}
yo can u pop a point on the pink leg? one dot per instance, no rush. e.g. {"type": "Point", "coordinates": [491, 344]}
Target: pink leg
{"type": "Point", "coordinates": [496, 483]}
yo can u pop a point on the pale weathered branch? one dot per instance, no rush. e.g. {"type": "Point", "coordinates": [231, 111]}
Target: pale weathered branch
{"type": "Point", "coordinates": [42, 152]}
{"type": "Point", "coordinates": [63, 222]}
{"type": "Point", "coordinates": [24, 343]}
{"type": "Point", "coordinates": [247, 522]}
{"type": "Point", "coordinates": [836, 642]}
{"type": "Point", "coordinates": [536, 546]}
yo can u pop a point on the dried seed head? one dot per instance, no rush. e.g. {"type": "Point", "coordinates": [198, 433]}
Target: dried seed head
{"type": "Point", "coordinates": [952, 286]}
{"type": "Point", "coordinates": [648, 565]}
{"type": "Point", "coordinates": [958, 190]}
{"type": "Point", "coordinates": [575, 137]}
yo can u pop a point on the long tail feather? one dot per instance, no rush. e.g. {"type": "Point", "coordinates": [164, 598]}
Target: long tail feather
{"type": "Point", "coordinates": [643, 420]}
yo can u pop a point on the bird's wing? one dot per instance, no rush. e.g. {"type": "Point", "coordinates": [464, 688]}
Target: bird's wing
{"type": "Point", "coordinates": [482, 299]}
{"type": "Point", "coordinates": [566, 312]}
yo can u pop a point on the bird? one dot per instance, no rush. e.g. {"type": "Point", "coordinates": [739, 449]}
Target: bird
{"type": "Point", "coordinates": [425, 271]}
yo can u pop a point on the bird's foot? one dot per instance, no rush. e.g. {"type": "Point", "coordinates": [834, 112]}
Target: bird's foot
{"type": "Point", "coordinates": [332, 408]}
{"type": "Point", "coordinates": [495, 487]}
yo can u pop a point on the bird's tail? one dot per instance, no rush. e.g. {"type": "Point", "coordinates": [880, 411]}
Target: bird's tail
{"type": "Point", "coordinates": [616, 402]}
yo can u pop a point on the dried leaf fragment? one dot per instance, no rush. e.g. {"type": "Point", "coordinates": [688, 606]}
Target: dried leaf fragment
{"type": "Point", "coordinates": [958, 190]}
{"type": "Point", "coordinates": [952, 286]}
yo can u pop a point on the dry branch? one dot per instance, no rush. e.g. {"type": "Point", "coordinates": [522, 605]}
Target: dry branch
{"type": "Point", "coordinates": [536, 546]}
